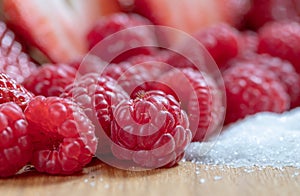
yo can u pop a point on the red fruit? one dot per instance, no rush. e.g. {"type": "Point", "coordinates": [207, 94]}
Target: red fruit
{"type": "Point", "coordinates": [199, 96]}
{"type": "Point", "coordinates": [159, 56]}
{"type": "Point", "coordinates": [151, 130]}
{"type": "Point", "coordinates": [264, 11]}
{"type": "Point", "coordinates": [112, 24]}
{"type": "Point", "coordinates": [281, 39]}
{"type": "Point", "coordinates": [150, 86]}
{"type": "Point", "coordinates": [57, 28]}
{"type": "Point", "coordinates": [97, 96]}
{"type": "Point", "coordinates": [251, 89]}
{"type": "Point", "coordinates": [63, 137]}
{"type": "Point", "coordinates": [115, 71]}
{"type": "Point", "coordinates": [130, 76]}
{"type": "Point", "coordinates": [248, 43]}
{"type": "Point", "coordinates": [15, 143]}
{"type": "Point", "coordinates": [284, 70]}
{"type": "Point", "coordinates": [197, 14]}
{"type": "Point", "coordinates": [126, 41]}
{"type": "Point", "coordinates": [50, 79]}
{"type": "Point", "coordinates": [88, 64]}
{"type": "Point", "coordinates": [140, 72]}
{"type": "Point", "coordinates": [221, 41]}
{"type": "Point", "coordinates": [10, 91]}
{"type": "Point", "coordinates": [13, 61]}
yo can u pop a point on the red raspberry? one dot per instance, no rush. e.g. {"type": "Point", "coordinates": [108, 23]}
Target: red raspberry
{"type": "Point", "coordinates": [151, 130]}
{"type": "Point", "coordinates": [153, 85]}
{"type": "Point", "coordinates": [115, 71]}
{"type": "Point", "coordinates": [221, 41]}
{"type": "Point", "coordinates": [178, 60]}
{"type": "Point", "coordinates": [284, 70]}
{"type": "Point", "coordinates": [248, 43]}
{"type": "Point", "coordinates": [63, 137]}
{"type": "Point", "coordinates": [199, 96]}
{"type": "Point", "coordinates": [264, 11]}
{"type": "Point", "coordinates": [159, 56]}
{"type": "Point", "coordinates": [89, 64]}
{"type": "Point", "coordinates": [130, 76]}
{"type": "Point", "coordinates": [11, 91]}
{"type": "Point", "coordinates": [251, 89]}
{"type": "Point", "coordinates": [50, 79]}
{"type": "Point", "coordinates": [13, 61]}
{"type": "Point", "coordinates": [115, 23]}
{"type": "Point", "coordinates": [15, 143]}
{"type": "Point", "coordinates": [281, 39]}
{"type": "Point", "coordinates": [97, 96]}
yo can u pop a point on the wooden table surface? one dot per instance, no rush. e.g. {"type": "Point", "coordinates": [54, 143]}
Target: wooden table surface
{"type": "Point", "coordinates": [185, 179]}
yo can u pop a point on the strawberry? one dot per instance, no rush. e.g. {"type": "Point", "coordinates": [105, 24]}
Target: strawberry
{"type": "Point", "coordinates": [192, 15]}
{"type": "Point", "coordinates": [58, 28]}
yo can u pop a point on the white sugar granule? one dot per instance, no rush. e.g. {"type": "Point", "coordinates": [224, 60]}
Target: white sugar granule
{"type": "Point", "coordinates": [202, 181]}
{"type": "Point", "coordinates": [216, 178]}
{"type": "Point", "coordinates": [265, 139]}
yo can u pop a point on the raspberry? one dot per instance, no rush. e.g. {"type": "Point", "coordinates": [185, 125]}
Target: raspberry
{"type": "Point", "coordinates": [159, 56]}
{"type": "Point", "coordinates": [11, 91]}
{"type": "Point", "coordinates": [15, 143]}
{"type": "Point", "coordinates": [284, 70]}
{"type": "Point", "coordinates": [281, 39]}
{"type": "Point", "coordinates": [251, 89]}
{"type": "Point", "coordinates": [130, 76]}
{"type": "Point", "coordinates": [121, 21]}
{"type": "Point", "coordinates": [50, 79]}
{"type": "Point", "coordinates": [153, 85]}
{"type": "Point", "coordinates": [151, 130]}
{"type": "Point", "coordinates": [198, 95]}
{"type": "Point", "coordinates": [248, 43]}
{"type": "Point", "coordinates": [264, 11]}
{"type": "Point", "coordinates": [178, 60]}
{"type": "Point", "coordinates": [97, 96]}
{"type": "Point", "coordinates": [88, 64]}
{"type": "Point", "coordinates": [13, 61]}
{"type": "Point", "coordinates": [115, 71]}
{"type": "Point", "coordinates": [63, 137]}
{"type": "Point", "coordinates": [221, 41]}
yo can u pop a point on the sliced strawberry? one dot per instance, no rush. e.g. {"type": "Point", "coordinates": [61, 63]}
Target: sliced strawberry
{"type": "Point", "coordinates": [58, 27]}
{"type": "Point", "coordinates": [192, 15]}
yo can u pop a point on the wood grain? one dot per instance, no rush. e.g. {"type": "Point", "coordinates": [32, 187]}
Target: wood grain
{"type": "Point", "coordinates": [185, 179]}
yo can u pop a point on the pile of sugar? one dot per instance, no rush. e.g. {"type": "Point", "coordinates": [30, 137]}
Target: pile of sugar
{"type": "Point", "coordinates": [265, 139]}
